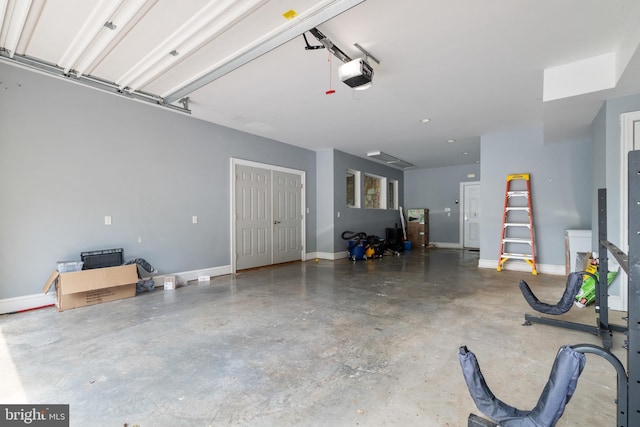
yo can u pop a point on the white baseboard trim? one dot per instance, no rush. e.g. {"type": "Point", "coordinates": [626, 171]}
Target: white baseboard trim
{"type": "Point", "coordinates": [516, 265]}
{"type": "Point", "coordinates": [332, 256]}
{"type": "Point", "coordinates": [27, 302]}
{"type": "Point", "coordinates": [187, 276]}
{"type": "Point", "coordinates": [30, 302]}
{"type": "Point", "coordinates": [446, 245]}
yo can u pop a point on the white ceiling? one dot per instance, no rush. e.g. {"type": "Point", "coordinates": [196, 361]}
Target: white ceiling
{"type": "Point", "coordinates": [472, 67]}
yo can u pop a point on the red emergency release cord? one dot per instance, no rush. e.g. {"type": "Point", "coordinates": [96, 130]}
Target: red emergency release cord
{"type": "Point", "coordinates": [330, 91]}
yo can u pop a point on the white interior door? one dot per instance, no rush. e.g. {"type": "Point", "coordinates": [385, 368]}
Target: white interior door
{"type": "Point", "coordinates": [471, 214]}
{"type": "Point", "coordinates": [267, 215]}
{"type": "Point", "coordinates": [253, 217]}
{"type": "Point", "coordinates": [287, 216]}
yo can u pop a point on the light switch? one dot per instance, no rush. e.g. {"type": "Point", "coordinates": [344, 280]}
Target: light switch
{"type": "Point", "coordinates": [194, 219]}
{"type": "Point", "coordinates": [107, 220]}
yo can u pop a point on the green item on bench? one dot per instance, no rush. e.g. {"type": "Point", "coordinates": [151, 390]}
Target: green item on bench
{"type": "Point", "coordinates": [587, 293]}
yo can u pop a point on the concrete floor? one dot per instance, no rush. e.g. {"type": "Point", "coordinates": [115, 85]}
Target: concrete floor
{"type": "Point", "coordinates": [332, 343]}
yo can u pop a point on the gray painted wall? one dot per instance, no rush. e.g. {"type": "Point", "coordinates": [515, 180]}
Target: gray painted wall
{"type": "Point", "coordinates": [70, 155]}
{"type": "Point", "coordinates": [606, 133]}
{"type": "Point", "coordinates": [324, 225]}
{"type": "Point", "coordinates": [370, 221]}
{"type": "Point", "coordinates": [612, 152]}
{"type": "Point", "coordinates": [598, 165]}
{"type": "Point", "coordinates": [561, 183]}
{"type": "Point", "coordinates": [437, 189]}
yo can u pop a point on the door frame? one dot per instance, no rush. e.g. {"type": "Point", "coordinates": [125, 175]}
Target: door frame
{"type": "Point", "coordinates": [627, 126]}
{"type": "Point", "coordinates": [463, 185]}
{"type": "Point", "coordinates": [232, 209]}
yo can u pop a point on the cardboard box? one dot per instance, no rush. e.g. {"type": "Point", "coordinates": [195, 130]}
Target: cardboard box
{"type": "Point", "coordinates": [89, 287]}
{"type": "Point", "coordinates": [418, 233]}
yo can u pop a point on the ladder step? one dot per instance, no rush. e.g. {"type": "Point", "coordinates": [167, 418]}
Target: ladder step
{"type": "Point", "coordinates": [518, 193]}
{"type": "Point", "coordinates": [517, 224]}
{"type": "Point", "coordinates": [516, 240]}
{"type": "Point", "coordinates": [517, 208]}
{"type": "Point", "coordinates": [517, 256]}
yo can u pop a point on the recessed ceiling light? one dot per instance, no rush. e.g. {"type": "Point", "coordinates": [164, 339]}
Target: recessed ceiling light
{"type": "Point", "coordinates": [451, 140]}
{"type": "Point", "coordinates": [425, 120]}
{"type": "Point", "coordinates": [465, 153]}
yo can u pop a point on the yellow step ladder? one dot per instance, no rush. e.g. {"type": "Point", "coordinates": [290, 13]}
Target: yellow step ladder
{"type": "Point", "coordinates": [517, 240]}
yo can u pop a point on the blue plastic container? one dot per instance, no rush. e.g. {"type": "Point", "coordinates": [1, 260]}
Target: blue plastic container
{"type": "Point", "coordinates": [356, 251]}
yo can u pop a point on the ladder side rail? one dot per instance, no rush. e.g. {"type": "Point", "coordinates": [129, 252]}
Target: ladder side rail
{"type": "Point", "coordinates": [501, 259]}
{"type": "Point", "coordinates": [531, 233]}
{"type": "Point", "coordinates": [504, 218]}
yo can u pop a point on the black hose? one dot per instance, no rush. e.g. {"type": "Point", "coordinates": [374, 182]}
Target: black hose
{"type": "Point", "coordinates": [350, 235]}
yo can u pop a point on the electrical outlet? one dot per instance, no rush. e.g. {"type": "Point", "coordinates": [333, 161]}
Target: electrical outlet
{"type": "Point", "coordinates": [194, 219]}
{"type": "Point", "coordinates": [107, 220]}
